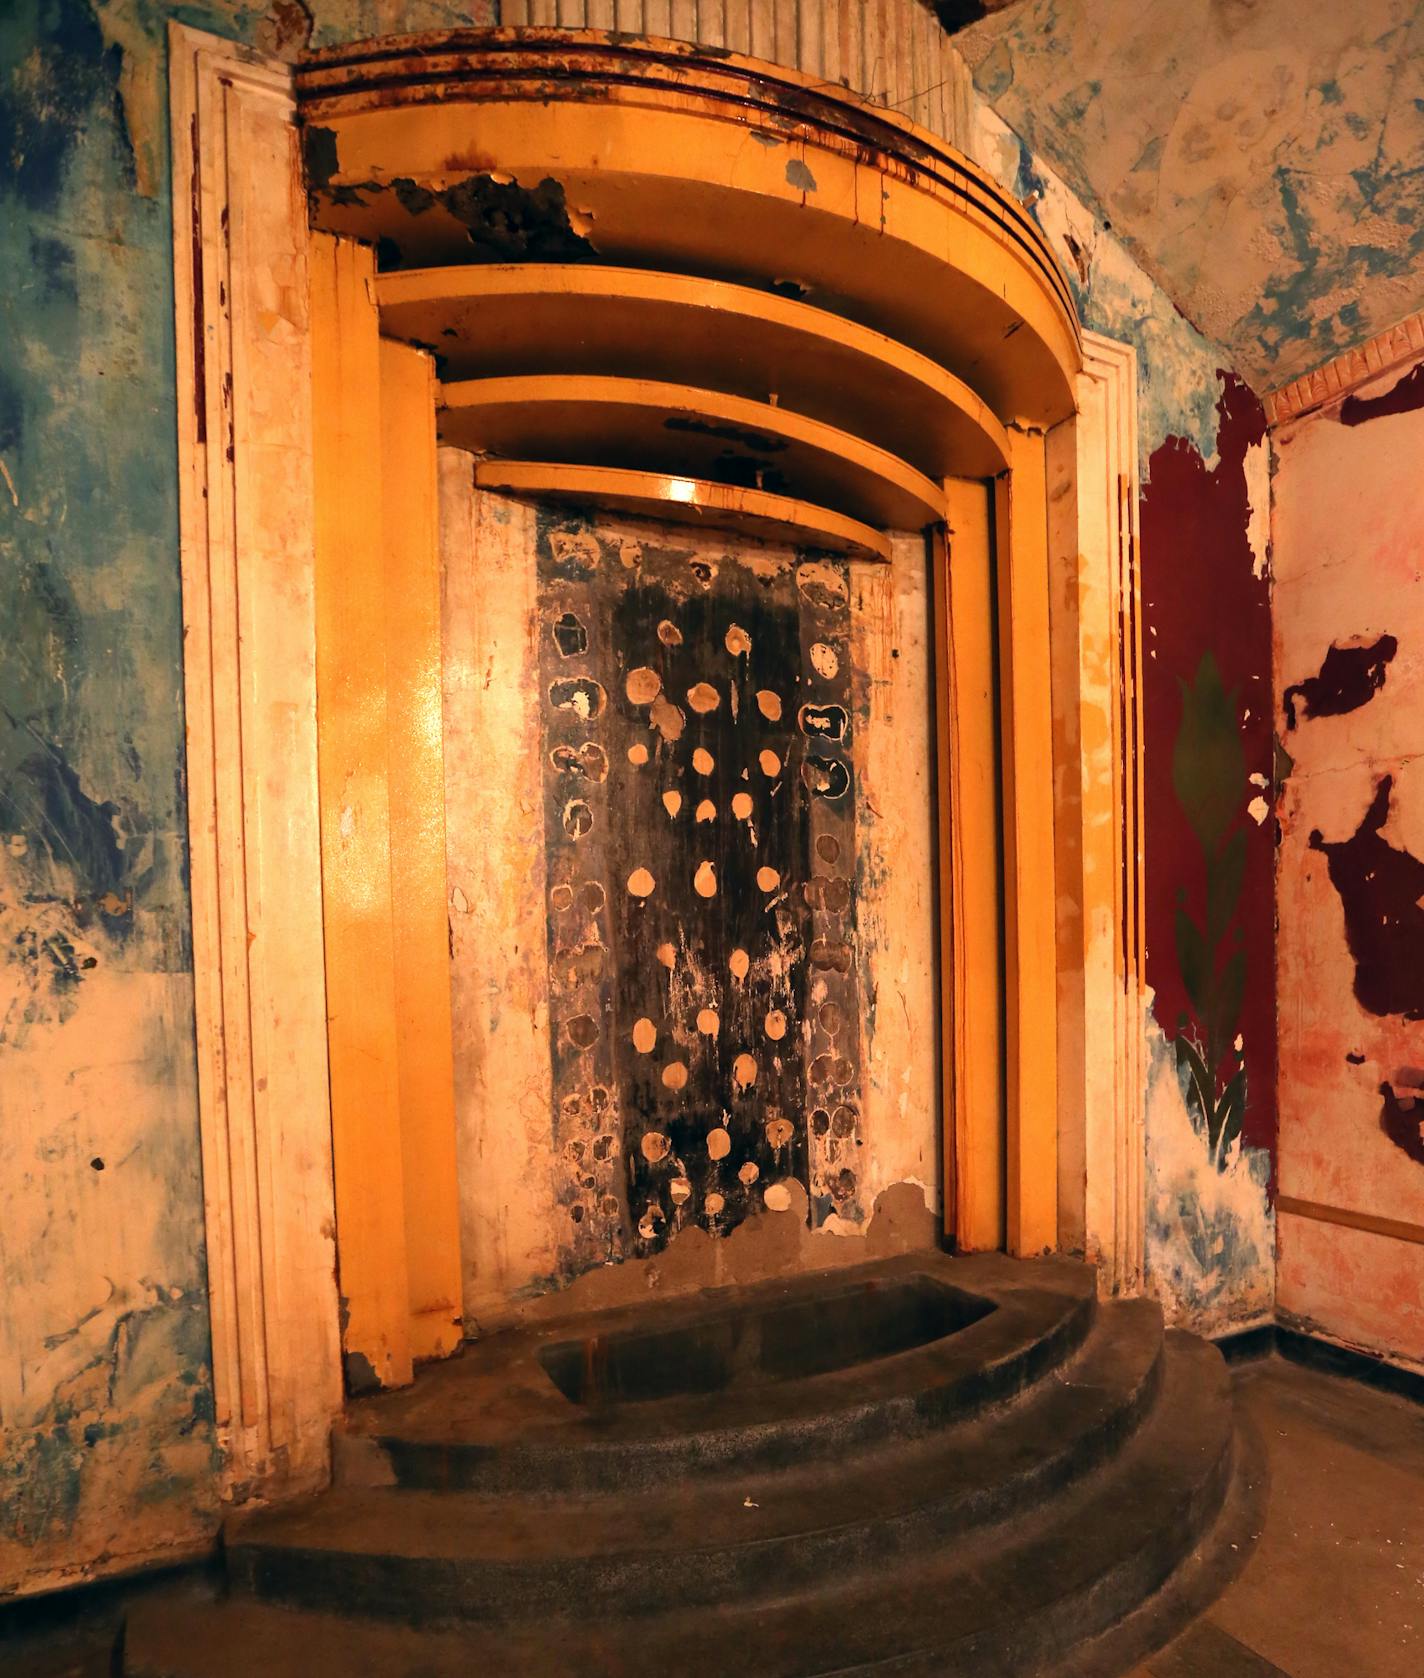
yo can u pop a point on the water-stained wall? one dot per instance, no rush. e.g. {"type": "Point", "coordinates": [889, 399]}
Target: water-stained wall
{"type": "Point", "coordinates": [708, 733]}
{"type": "Point", "coordinates": [1350, 687]}
{"type": "Point", "coordinates": [106, 1440]}
{"type": "Point", "coordinates": [1271, 181]}
{"type": "Point", "coordinates": [1208, 834]}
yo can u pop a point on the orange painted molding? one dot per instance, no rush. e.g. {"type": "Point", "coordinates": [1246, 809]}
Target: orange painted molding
{"type": "Point", "coordinates": [972, 978]}
{"type": "Point", "coordinates": [1394, 347]}
{"type": "Point", "coordinates": [1394, 1228]}
{"type": "Point", "coordinates": [353, 747]}
{"type": "Point", "coordinates": [1030, 889]}
{"type": "Point", "coordinates": [416, 772]}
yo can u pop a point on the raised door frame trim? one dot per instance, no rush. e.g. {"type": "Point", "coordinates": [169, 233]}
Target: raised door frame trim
{"type": "Point", "coordinates": [243, 339]}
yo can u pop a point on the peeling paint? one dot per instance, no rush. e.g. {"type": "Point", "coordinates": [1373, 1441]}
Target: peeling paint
{"type": "Point", "coordinates": [1270, 184]}
{"type": "Point", "coordinates": [1349, 569]}
{"type": "Point", "coordinates": [106, 1409]}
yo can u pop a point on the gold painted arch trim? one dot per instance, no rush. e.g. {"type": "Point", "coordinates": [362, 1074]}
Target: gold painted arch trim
{"type": "Point", "coordinates": [647, 154]}
{"type": "Point", "coordinates": [499, 319]}
{"type": "Point", "coordinates": [689, 433]}
{"type": "Point", "coordinates": [687, 501]}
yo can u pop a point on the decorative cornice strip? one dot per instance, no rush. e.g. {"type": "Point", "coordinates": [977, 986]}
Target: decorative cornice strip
{"type": "Point", "coordinates": [1400, 343]}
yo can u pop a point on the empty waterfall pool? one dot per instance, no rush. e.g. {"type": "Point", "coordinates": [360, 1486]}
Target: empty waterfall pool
{"type": "Point", "coordinates": [799, 1331]}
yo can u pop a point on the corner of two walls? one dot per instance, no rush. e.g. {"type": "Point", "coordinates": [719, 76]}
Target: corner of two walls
{"type": "Point", "coordinates": [1208, 791]}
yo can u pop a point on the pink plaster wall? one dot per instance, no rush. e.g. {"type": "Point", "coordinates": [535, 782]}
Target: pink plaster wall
{"type": "Point", "coordinates": [1348, 558]}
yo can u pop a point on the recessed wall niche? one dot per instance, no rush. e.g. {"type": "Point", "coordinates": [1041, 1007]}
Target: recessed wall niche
{"type": "Point", "coordinates": [684, 774]}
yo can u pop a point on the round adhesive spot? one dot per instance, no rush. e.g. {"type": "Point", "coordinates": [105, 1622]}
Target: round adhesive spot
{"type": "Point", "coordinates": [719, 1143]}
{"type": "Point", "coordinates": [638, 755]}
{"type": "Point", "coordinates": [740, 963]}
{"type": "Point", "coordinates": [667, 718]}
{"type": "Point", "coordinates": [654, 1146]}
{"type": "Point", "coordinates": [704, 881]}
{"type": "Point", "coordinates": [645, 1036]}
{"type": "Point", "coordinates": [741, 805]}
{"type": "Point", "coordinates": [744, 1071]}
{"type": "Point", "coordinates": [770, 764]}
{"type": "Point", "coordinates": [667, 956]}
{"type": "Point", "coordinates": [641, 883]}
{"type": "Point", "coordinates": [737, 641]}
{"type": "Point", "coordinates": [768, 879]}
{"type": "Point", "coordinates": [703, 761]}
{"type": "Point", "coordinates": [769, 704]}
{"type": "Point", "coordinates": [776, 1025]}
{"type": "Point", "coordinates": [777, 1197]}
{"type": "Point", "coordinates": [714, 1204]}
{"type": "Point", "coordinates": [706, 811]}
{"type": "Point", "coordinates": [675, 1075]}
{"type": "Point", "coordinates": [707, 1022]}
{"type": "Point", "coordinates": [643, 685]}
{"type": "Point", "coordinates": [749, 1173]}
{"type": "Point", "coordinates": [825, 661]}
{"type": "Point", "coordinates": [669, 634]}
{"type": "Point", "coordinates": [703, 697]}
{"type": "Point", "coordinates": [672, 802]}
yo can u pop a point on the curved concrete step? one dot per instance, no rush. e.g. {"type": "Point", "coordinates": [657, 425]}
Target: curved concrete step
{"type": "Point", "coordinates": [493, 1421]}
{"type": "Point", "coordinates": [438, 1554]}
{"type": "Point", "coordinates": [1004, 1606]}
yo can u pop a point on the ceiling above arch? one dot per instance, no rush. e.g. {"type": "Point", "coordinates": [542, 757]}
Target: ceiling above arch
{"type": "Point", "coordinates": [1263, 160]}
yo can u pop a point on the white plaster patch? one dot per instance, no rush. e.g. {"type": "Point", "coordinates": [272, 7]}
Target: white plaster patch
{"type": "Point", "coordinates": [1210, 1232]}
{"type": "Point", "coordinates": [1257, 472]}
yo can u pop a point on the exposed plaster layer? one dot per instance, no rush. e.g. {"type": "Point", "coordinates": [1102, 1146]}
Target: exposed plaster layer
{"type": "Point", "coordinates": [1349, 656]}
{"type": "Point", "coordinates": [1210, 1226]}
{"type": "Point", "coordinates": [767, 1245]}
{"type": "Point", "coordinates": [1270, 182]}
{"type": "Point", "coordinates": [1351, 1286]}
{"type": "Point", "coordinates": [499, 961]}
{"type": "Point", "coordinates": [895, 803]}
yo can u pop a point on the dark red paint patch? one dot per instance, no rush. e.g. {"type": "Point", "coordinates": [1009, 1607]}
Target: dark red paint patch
{"type": "Point", "coordinates": [1380, 887]}
{"type": "Point", "coordinates": [1401, 398]}
{"type": "Point", "coordinates": [1349, 678]}
{"type": "Point", "coordinates": [1402, 1119]}
{"type": "Point", "coordinates": [1201, 595]}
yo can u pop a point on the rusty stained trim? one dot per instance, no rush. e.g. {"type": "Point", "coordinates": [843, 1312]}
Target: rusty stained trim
{"type": "Point", "coordinates": [200, 371]}
{"type": "Point", "coordinates": [544, 64]}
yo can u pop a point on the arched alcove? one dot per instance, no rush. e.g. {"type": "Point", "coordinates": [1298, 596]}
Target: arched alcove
{"type": "Point", "coordinates": [646, 282]}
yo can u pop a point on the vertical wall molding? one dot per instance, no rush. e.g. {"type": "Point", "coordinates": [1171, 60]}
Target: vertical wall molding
{"type": "Point", "coordinates": [246, 514]}
{"type": "Point", "coordinates": [1098, 706]}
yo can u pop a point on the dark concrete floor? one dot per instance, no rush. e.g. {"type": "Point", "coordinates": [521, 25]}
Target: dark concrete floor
{"type": "Point", "coordinates": [1335, 1588]}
